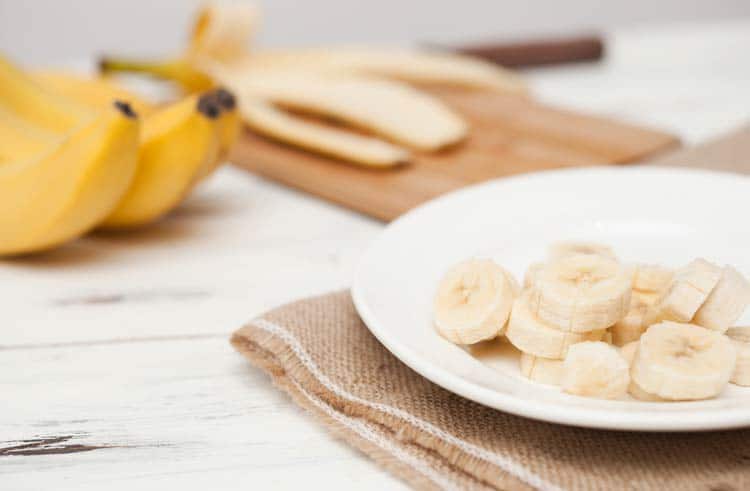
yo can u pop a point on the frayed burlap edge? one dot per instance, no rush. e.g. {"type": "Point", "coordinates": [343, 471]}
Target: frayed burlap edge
{"type": "Point", "coordinates": [454, 467]}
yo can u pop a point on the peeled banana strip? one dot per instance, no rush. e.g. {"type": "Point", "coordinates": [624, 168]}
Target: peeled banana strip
{"type": "Point", "coordinates": [223, 31]}
{"type": "Point", "coordinates": [386, 108]}
{"type": "Point", "coordinates": [535, 337]}
{"type": "Point", "coordinates": [271, 122]}
{"type": "Point", "coordinates": [563, 249]}
{"type": "Point", "coordinates": [689, 289]}
{"type": "Point", "coordinates": [581, 292]}
{"type": "Point", "coordinates": [473, 302]}
{"type": "Point", "coordinates": [635, 322]}
{"type": "Point", "coordinates": [726, 302]}
{"type": "Point", "coordinates": [651, 278]}
{"type": "Point", "coordinates": [683, 361]}
{"type": "Point", "coordinates": [408, 65]}
{"type": "Point", "coordinates": [740, 337]}
{"type": "Point", "coordinates": [595, 369]}
{"type": "Point", "coordinates": [542, 370]}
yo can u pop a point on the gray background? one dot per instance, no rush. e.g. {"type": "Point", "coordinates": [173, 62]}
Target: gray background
{"type": "Point", "coordinates": [49, 31]}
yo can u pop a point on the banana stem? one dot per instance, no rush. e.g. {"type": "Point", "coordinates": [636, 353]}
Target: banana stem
{"type": "Point", "coordinates": [179, 71]}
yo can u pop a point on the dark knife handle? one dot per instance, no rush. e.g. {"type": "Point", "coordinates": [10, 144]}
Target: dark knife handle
{"type": "Point", "coordinates": [536, 52]}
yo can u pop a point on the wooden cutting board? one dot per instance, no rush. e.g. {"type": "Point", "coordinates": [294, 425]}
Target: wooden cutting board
{"type": "Point", "coordinates": [509, 135]}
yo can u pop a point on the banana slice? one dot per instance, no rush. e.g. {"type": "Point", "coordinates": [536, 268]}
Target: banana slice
{"type": "Point", "coordinates": [533, 336]}
{"type": "Point", "coordinates": [740, 337]}
{"type": "Point", "coordinates": [635, 322]}
{"type": "Point", "coordinates": [542, 370]}
{"type": "Point", "coordinates": [562, 249]}
{"type": "Point", "coordinates": [531, 274]}
{"type": "Point", "coordinates": [690, 287]}
{"type": "Point", "coordinates": [595, 369]}
{"type": "Point", "coordinates": [628, 352]}
{"type": "Point", "coordinates": [581, 292]}
{"type": "Point", "coordinates": [473, 302]}
{"type": "Point", "coordinates": [726, 302]}
{"type": "Point", "coordinates": [683, 361]}
{"type": "Point", "coordinates": [651, 278]}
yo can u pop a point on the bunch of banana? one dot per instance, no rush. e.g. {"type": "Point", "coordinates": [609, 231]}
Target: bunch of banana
{"type": "Point", "coordinates": [64, 167]}
{"type": "Point", "coordinates": [366, 89]}
{"type": "Point", "coordinates": [76, 155]}
{"type": "Point", "coordinates": [579, 305]}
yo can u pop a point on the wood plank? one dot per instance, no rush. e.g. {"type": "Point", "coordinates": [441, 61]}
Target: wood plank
{"type": "Point", "coordinates": [179, 414]}
{"type": "Point", "coordinates": [510, 135]}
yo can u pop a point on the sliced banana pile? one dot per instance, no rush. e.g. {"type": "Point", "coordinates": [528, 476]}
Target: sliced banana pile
{"type": "Point", "coordinates": [601, 328]}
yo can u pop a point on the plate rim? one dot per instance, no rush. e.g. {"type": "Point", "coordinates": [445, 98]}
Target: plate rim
{"type": "Point", "coordinates": [633, 420]}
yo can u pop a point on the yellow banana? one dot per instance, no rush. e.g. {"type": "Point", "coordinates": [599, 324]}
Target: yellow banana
{"type": "Point", "coordinates": [70, 186]}
{"type": "Point", "coordinates": [176, 143]}
{"type": "Point", "coordinates": [99, 92]}
{"type": "Point", "coordinates": [228, 127]}
{"type": "Point", "coordinates": [229, 122]}
{"type": "Point", "coordinates": [95, 92]}
{"type": "Point", "coordinates": [22, 96]}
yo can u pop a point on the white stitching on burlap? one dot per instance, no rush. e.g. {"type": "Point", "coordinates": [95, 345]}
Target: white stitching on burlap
{"type": "Point", "coordinates": [368, 432]}
{"type": "Point", "coordinates": [504, 463]}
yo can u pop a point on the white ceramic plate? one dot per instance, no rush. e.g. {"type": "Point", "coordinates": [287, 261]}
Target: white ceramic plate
{"type": "Point", "coordinates": [662, 215]}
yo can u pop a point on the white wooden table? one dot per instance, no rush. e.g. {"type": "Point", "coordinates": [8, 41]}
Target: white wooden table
{"type": "Point", "coordinates": [115, 370]}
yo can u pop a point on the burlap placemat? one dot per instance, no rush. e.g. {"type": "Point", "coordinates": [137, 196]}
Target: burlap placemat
{"type": "Point", "coordinates": [319, 352]}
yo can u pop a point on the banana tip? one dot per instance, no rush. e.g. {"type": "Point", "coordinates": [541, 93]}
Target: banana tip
{"type": "Point", "coordinates": [126, 109]}
{"type": "Point", "coordinates": [226, 99]}
{"type": "Point", "coordinates": [104, 65]}
{"type": "Point", "coordinates": [209, 106]}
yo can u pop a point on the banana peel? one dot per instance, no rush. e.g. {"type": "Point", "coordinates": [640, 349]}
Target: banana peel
{"type": "Point", "coordinates": [357, 85]}
{"type": "Point", "coordinates": [393, 110]}
{"type": "Point", "coordinates": [271, 122]}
